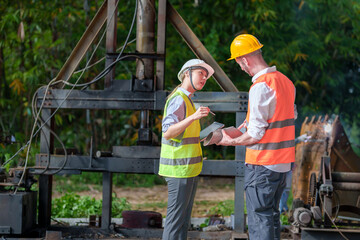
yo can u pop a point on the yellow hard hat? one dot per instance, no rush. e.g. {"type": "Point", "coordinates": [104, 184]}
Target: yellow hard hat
{"type": "Point", "coordinates": [244, 44]}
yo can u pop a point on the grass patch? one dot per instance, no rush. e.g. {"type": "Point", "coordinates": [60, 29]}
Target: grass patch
{"type": "Point", "coordinates": [78, 183]}
{"type": "Point", "coordinates": [224, 208]}
{"type": "Point", "coordinates": [208, 208]}
{"type": "Point", "coordinates": [154, 205]}
{"type": "Point", "coordinates": [72, 205]}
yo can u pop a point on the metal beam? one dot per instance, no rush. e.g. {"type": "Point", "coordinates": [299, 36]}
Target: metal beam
{"type": "Point", "coordinates": [105, 99]}
{"type": "Point", "coordinates": [107, 199]}
{"type": "Point", "coordinates": [198, 48]}
{"type": "Point", "coordinates": [45, 182]}
{"type": "Point", "coordinates": [345, 177]}
{"type": "Point", "coordinates": [329, 233]}
{"type": "Point", "coordinates": [99, 99]}
{"type": "Point", "coordinates": [239, 220]}
{"type": "Point", "coordinates": [84, 43]}
{"type": "Point", "coordinates": [347, 186]}
{"type": "Point", "coordinates": [221, 101]}
{"type": "Point", "coordinates": [221, 168]}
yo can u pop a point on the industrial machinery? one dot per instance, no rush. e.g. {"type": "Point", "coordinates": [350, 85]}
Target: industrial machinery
{"type": "Point", "coordinates": [144, 93]}
{"type": "Point", "coordinates": [326, 183]}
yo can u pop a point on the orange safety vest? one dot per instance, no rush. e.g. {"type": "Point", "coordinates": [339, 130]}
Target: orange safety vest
{"type": "Point", "coordinates": [278, 143]}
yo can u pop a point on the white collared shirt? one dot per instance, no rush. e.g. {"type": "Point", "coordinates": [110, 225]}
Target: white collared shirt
{"type": "Point", "coordinates": [262, 107]}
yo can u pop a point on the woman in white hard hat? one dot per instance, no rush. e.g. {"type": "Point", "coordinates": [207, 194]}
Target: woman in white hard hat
{"type": "Point", "coordinates": [181, 155]}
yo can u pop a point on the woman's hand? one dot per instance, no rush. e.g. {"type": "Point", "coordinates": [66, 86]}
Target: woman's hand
{"type": "Point", "coordinates": [201, 112]}
{"type": "Point", "coordinates": [177, 128]}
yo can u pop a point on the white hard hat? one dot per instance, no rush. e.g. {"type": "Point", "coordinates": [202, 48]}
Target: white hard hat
{"type": "Point", "coordinates": [195, 63]}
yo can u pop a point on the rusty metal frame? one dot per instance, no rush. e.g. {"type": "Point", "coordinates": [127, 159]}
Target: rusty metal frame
{"type": "Point", "coordinates": [199, 49]}
{"type": "Point", "coordinates": [83, 100]}
{"type": "Point", "coordinates": [84, 43]}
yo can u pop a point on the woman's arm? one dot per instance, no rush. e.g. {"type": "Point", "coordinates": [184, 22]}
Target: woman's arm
{"type": "Point", "coordinates": [176, 129]}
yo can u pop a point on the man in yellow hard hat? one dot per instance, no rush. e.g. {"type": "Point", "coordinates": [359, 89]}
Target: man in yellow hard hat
{"type": "Point", "coordinates": [269, 137]}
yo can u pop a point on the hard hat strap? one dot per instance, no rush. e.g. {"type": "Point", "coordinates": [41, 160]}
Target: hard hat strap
{"type": "Point", "coordinates": [191, 81]}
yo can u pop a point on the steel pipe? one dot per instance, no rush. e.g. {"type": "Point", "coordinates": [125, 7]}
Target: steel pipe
{"type": "Point", "coordinates": [345, 177]}
{"type": "Point", "coordinates": [145, 41]}
{"type": "Point", "coordinates": [346, 186]}
{"type": "Point", "coordinates": [145, 38]}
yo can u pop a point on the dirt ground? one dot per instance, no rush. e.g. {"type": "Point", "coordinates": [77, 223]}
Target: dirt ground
{"type": "Point", "coordinates": [209, 193]}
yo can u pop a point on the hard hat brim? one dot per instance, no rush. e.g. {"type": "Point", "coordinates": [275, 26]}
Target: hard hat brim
{"type": "Point", "coordinates": [250, 50]}
{"type": "Point", "coordinates": [231, 58]}
{"type": "Point", "coordinates": [209, 69]}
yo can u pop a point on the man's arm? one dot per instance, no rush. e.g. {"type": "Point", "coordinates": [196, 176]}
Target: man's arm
{"type": "Point", "coordinates": [244, 139]}
{"type": "Point", "coordinates": [262, 107]}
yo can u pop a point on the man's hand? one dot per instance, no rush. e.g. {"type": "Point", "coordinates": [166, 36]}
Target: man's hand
{"type": "Point", "coordinates": [242, 125]}
{"type": "Point", "coordinates": [245, 139]}
{"type": "Point", "coordinates": [226, 139]}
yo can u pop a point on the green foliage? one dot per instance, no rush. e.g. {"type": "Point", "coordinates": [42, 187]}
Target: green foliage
{"type": "Point", "coordinates": [205, 223]}
{"type": "Point", "coordinates": [284, 219]}
{"type": "Point", "coordinates": [224, 208]}
{"type": "Point", "coordinates": [71, 183]}
{"type": "Point", "coordinates": [72, 205]}
{"type": "Point", "coordinates": [315, 43]}
{"type": "Point", "coordinates": [137, 180]}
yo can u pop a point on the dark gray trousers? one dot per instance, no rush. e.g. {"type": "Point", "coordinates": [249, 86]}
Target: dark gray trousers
{"type": "Point", "coordinates": [263, 189]}
{"type": "Point", "coordinates": [181, 194]}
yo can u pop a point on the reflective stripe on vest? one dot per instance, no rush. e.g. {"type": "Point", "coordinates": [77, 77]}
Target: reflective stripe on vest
{"type": "Point", "coordinates": [278, 143]}
{"type": "Point", "coordinates": [181, 157]}
{"type": "Point", "coordinates": [184, 141]}
{"type": "Point", "coordinates": [281, 124]}
{"type": "Point", "coordinates": [272, 146]}
{"type": "Point", "coordinates": [182, 161]}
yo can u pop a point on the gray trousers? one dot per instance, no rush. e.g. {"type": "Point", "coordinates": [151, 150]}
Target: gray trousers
{"type": "Point", "coordinates": [181, 194]}
{"type": "Point", "coordinates": [263, 189]}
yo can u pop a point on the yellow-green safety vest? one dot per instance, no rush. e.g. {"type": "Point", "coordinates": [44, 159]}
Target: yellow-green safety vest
{"type": "Point", "coordinates": [181, 157]}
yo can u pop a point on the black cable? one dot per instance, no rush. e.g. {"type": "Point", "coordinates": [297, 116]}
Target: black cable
{"type": "Point", "coordinates": [63, 146]}
{"type": "Point", "coordinates": [47, 86]}
{"type": "Point", "coordinates": [337, 204]}
{"type": "Point", "coordinates": [102, 74]}
{"type": "Point", "coordinates": [108, 68]}
{"type": "Point", "coordinates": [84, 85]}
{"type": "Point", "coordinates": [333, 221]}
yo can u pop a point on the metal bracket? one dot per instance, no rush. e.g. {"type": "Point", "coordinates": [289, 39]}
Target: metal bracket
{"type": "Point", "coordinates": [142, 85]}
{"type": "Point", "coordinates": [5, 229]}
{"type": "Point", "coordinates": [326, 189]}
{"type": "Point", "coordinates": [240, 168]}
{"type": "Point", "coordinates": [42, 159]}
